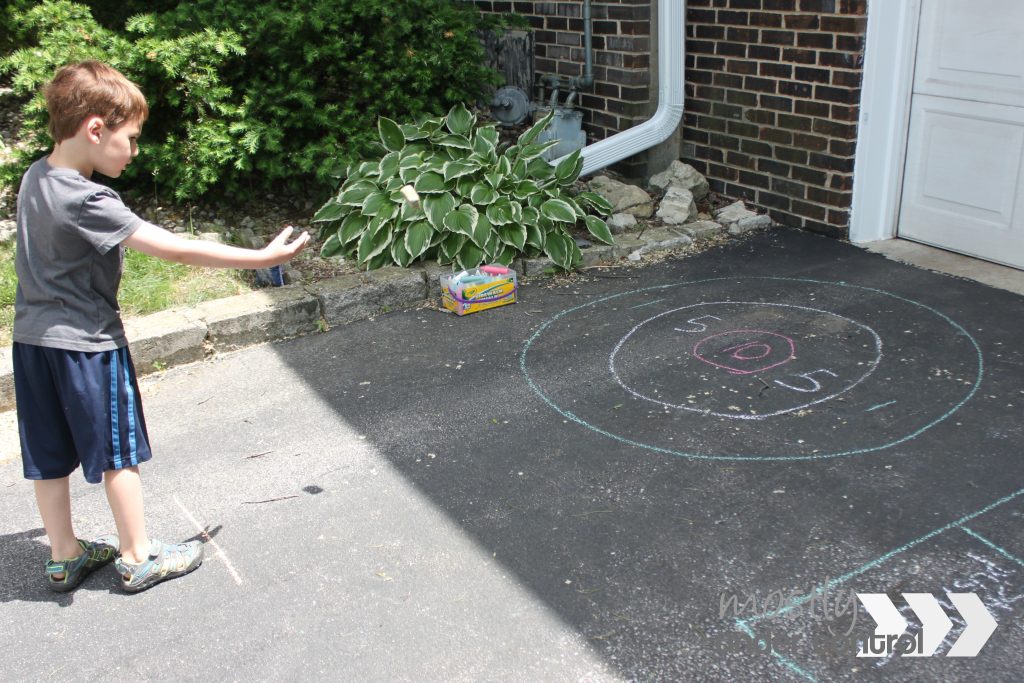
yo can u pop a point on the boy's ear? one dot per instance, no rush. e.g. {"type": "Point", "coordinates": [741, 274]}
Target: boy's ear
{"type": "Point", "coordinates": [93, 126]}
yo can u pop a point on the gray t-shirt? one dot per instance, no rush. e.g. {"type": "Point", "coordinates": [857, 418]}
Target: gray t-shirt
{"type": "Point", "coordinates": [69, 260]}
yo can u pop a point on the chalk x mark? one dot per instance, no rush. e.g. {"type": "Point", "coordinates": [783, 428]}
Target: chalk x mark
{"type": "Point", "coordinates": [220, 551]}
{"type": "Point", "coordinates": [992, 545]}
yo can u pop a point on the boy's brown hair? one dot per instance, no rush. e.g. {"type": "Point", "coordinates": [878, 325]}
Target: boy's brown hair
{"type": "Point", "coordinates": [91, 88]}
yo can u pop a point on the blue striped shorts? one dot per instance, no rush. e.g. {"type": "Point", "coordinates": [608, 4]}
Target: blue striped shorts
{"type": "Point", "coordinates": [78, 407]}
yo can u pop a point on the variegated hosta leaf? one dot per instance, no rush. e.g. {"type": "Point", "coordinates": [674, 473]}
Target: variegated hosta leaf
{"type": "Point", "coordinates": [529, 152]}
{"type": "Point", "coordinates": [437, 207]}
{"type": "Point", "coordinates": [412, 132]}
{"type": "Point", "coordinates": [331, 247]}
{"type": "Point", "coordinates": [451, 245]}
{"type": "Point", "coordinates": [410, 211]}
{"type": "Point", "coordinates": [504, 166]}
{"type": "Point", "coordinates": [530, 136]}
{"type": "Point", "coordinates": [456, 141]}
{"type": "Point", "coordinates": [568, 169]}
{"type": "Point", "coordinates": [530, 215]}
{"type": "Point", "coordinates": [558, 210]}
{"type": "Point", "coordinates": [463, 220]}
{"type": "Point", "coordinates": [430, 126]}
{"type": "Point", "coordinates": [535, 236]}
{"type": "Point", "coordinates": [489, 133]}
{"type": "Point", "coordinates": [482, 231]}
{"type": "Point", "coordinates": [464, 186]}
{"type": "Point", "coordinates": [596, 202]}
{"type": "Point", "coordinates": [492, 245]}
{"type": "Point", "coordinates": [540, 170]}
{"type": "Point", "coordinates": [507, 255]}
{"type": "Point", "coordinates": [457, 169]}
{"type": "Point", "coordinates": [561, 249]}
{"type": "Point", "coordinates": [374, 241]}
{"type": "Point", "coordinates": [398, 251]}
{"type": "Point", "coordinates": [352, 227]}
{"type": "Point", "coordinates": [356, 193]}
{"type": "Point", "coordinates": [429, 183]}
{"type": "Point", "coordinates": [375, 203]}
{"type": "Point", "coordinates": [599, 229]}
{"type": "Point", "coordinates": [390, 134]}
{"type": "Point", "coordinates": [417, 238]}
{"type": "Point", "coordinates": [388, 166]}
{"type": "Point", "coordinates": [331, 211]}
{"type": "Point", "coordinates": [513, 234]}
{"type": "Point", "coordinates": [500, 212]}
{"type": "Point", "coordinates": [525, 189]}
{"type": "Point", "coordinates": [409, 174]}
{"type": "Point", "coordinates": [469, 256]}
{"type": "Point", "coordinates": [407, 158]}
{"type": "Point", "coordinates": [460, 120]}
{"type": "Point", "coordinates": [494, 179]}
{"type": "Point", "coordinates": [482, 195]}
{"type": "Point", "coordinates": [482, 146]}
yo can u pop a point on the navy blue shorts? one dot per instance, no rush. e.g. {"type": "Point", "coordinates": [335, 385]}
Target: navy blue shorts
{"type": "Point", "coordinates": [78, 407]}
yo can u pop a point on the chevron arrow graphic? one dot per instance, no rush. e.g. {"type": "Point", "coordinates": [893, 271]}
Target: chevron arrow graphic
{"type": "Point", "coordinates": [935, 624]}
{"type": "Point", "coordinates": [980, 625]}
{"type": "Point", "coordinates": [890, 623]}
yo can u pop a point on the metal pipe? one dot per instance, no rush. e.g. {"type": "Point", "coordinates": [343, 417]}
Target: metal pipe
{"type": "Point", "coordinates": [587, 79]}
{"type": "Point", "coordinates": [671, 93]}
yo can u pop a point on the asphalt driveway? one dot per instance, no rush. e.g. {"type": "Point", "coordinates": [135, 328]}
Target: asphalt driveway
{"type": "Point", "coordinates": [681, 472]}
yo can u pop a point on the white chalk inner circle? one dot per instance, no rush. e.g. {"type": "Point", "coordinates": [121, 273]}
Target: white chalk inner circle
{"type": "Point", "coordinates": [871, 365]}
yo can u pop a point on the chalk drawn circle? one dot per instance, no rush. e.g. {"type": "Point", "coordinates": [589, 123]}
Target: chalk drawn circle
{"type": "Point", "coordinates": [879, 423]}
{"type": "Point", "coordinates": [769, 342]}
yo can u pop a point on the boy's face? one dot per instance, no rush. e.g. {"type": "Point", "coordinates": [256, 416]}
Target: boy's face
{"type": "Point", "coordinates": [116, 148]}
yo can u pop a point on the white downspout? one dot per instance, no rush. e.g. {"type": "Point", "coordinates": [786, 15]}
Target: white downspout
{"type": "Point", "coordinates": [671, 80]}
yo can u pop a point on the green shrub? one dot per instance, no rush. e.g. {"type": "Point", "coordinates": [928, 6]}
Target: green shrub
{"type": "Point", "coordinates": [480, 203]}
{"type": "Point", "coordinates": [189, 138]}
{"type": "Point", "coordinates": [255, 96]}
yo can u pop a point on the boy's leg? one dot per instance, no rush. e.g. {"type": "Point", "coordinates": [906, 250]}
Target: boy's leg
{"type": "Point", "coordinates": [124, 493]}
{"type": "Point", "coordinates": [54, 499]}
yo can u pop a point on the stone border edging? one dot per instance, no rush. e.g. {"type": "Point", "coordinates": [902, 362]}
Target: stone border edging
{"type": "Point", "coordinates": [185, 335]}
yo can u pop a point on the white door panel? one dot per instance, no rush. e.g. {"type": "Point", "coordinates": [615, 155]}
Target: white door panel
{"type": "Point", "coordinates": [963, 186]}
{"type": "Point", "coordinates": [972, 49]}
{"type": "Point", "coordinates": [963, 174]}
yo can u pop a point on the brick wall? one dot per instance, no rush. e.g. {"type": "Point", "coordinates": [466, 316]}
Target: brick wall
{"type": "Point", "coordinates": [772, 92]}
{"type": "Point", "coordinates": [621, 96]}
{"type": "Point", "coordinates": [772, 101]}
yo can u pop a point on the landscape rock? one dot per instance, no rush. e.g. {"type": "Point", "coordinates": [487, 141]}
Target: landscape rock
{"type": "Point", "coordinates": [624, 198]}
{"type": "Point", "coordinates": [733, 213]}
{"type": "Point", "coordinates": [362, 295]}
{"type": "Point", "coordinates": [163, 339]}
{"type": "Point", "coordinates": [659, 240]}
{"type": "Point", "coordinates": [621, 222]}
{"type": "Point", "coordinates": [683, 176]}
{"type": "Point", "coordinates": [750, 223]}
{"type": "Point", "coordinates": [269, 314]}
{"type": "Point", "coordinates": [702, 229]}
{"type": "Point", "coordinates": [678, 206]}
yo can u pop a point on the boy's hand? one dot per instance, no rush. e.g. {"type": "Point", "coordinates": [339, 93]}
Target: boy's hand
{"type": "Point", "coordinates": [280, 250]}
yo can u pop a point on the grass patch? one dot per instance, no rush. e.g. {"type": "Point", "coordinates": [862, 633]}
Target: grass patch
{"type": "Point", "coordinates": [148, 285]}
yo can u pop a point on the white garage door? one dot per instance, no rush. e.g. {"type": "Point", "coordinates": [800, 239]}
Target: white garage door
{"type": "Point", "coordinates": [963, 184]}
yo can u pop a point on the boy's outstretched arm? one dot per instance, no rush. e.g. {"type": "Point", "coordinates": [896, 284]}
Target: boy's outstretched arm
{"type": "Point", "coordinates": [160, 243]}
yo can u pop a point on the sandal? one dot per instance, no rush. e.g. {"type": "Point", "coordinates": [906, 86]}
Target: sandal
{"type": "Point", "coordinates": [94, 555]}
{"type": "Point", "coordinates": [165, 561]}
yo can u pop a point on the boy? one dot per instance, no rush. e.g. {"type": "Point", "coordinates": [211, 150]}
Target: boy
{"type": "Point", "coordinates": [77, 397]}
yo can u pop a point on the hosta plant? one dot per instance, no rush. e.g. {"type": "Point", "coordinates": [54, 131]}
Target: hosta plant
{"type": "Point", "coordinates": [481, 202]}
